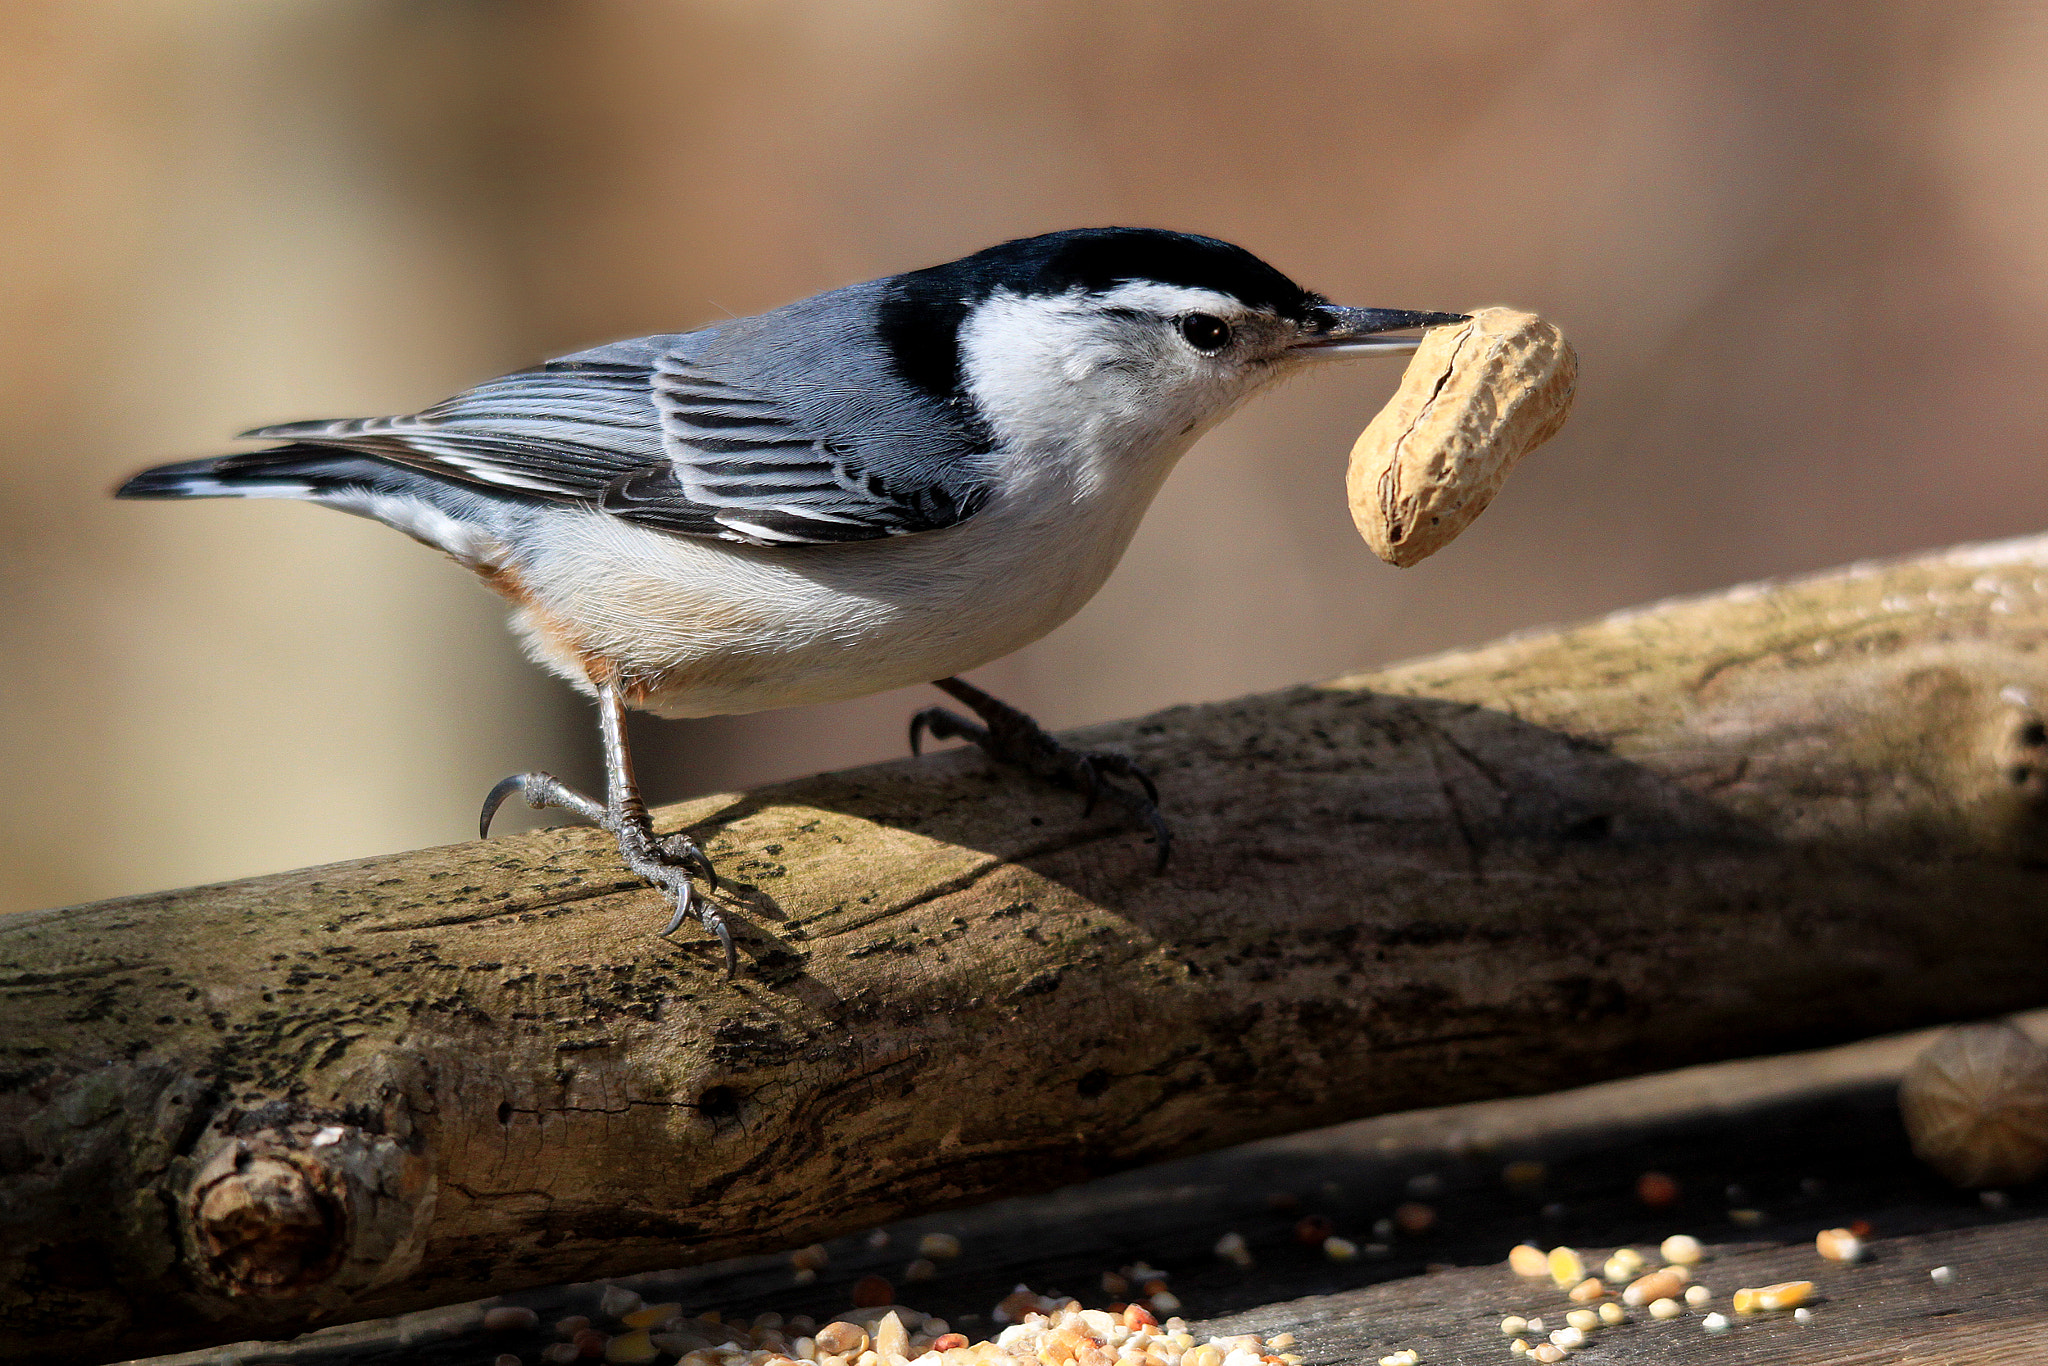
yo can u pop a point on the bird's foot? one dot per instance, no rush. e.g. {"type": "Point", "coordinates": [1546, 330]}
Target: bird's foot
{"type": "Point", "coordinates": [1009, 736]}
{"type": "Point", "coordinates": [667, 861]}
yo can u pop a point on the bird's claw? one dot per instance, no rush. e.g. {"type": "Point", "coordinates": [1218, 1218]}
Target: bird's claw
{"type": "Point", "coordinates": [683, 850]}
{"type": "Point", "coordinates": [941, 724]}
{"type": "Point", "coordinates": [542, 790]}
{"type": "Point", "coordinates": [1090, 765]}
{"type": "Point", "coordinates": [495, 799]}
{"type": "Point", "coordinates": [712, 916]}
{"type": "Point", "coordinates": [1009, 736]}
{"type": "Point", "coordinates": [667, 861]}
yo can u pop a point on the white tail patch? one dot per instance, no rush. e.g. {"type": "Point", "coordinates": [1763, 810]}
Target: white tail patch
{"type": "Point", "coordinates": [473, 545]}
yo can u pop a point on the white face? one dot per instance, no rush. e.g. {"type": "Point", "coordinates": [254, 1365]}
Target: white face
{"type": "Point", "coordinates": [1137, 369]}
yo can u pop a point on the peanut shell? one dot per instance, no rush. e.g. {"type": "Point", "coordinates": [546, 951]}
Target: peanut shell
{"type": "Point", "coordinates": [1477, 396]}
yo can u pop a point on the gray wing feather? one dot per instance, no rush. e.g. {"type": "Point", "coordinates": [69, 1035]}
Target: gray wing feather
{"type": "Point", "coordinates": [651, 434]}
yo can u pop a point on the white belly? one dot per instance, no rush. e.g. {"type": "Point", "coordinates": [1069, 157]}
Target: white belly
{"type": "Point", "coordinates": [694, 627]}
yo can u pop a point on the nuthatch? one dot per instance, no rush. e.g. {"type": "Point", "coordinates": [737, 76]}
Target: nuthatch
{"type": "Point", "coordinates": [885, 484]}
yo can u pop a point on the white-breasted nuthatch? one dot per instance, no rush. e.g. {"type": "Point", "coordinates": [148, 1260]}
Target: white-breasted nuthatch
{"type": "Point", "coordinates": [881, 485]}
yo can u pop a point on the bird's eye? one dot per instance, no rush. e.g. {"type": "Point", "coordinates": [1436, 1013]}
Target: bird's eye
{"type": "Point", "coordinates": [1205, 332]}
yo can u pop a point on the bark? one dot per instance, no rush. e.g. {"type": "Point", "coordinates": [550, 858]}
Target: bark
{"type": "Point", "coordinates": [1779, 817]}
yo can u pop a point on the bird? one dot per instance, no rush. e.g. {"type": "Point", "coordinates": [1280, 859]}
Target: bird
{"type": "Point", "coordinates": [886, 484]}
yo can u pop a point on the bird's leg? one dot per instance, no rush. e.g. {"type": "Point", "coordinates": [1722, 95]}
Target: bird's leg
{"type": "Point", "coordinates": [667, 862]}
{"type": "Point", "coordinates": [1009, 736]}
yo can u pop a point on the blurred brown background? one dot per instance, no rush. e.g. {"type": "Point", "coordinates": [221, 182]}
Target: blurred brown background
{"type": "Point", "coordinates": [1803, 250]}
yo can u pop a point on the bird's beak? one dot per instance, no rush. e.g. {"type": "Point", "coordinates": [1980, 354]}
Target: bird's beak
{"type": "Point", "coordinates": [1334, 331]}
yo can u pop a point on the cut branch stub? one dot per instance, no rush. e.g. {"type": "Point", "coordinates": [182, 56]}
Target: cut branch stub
{"type": "Point", "coordinates": [302, 1210]}
{"type": "Point", "coordinates": [264, 1224]}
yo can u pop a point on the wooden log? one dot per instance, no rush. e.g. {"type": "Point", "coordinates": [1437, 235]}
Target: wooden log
{"type": "Point", "coordinates": [1781, 816]}
{"type": "Point", "coordinates": [1814, 1139]}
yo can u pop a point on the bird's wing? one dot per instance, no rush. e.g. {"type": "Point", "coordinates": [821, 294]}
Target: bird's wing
{"type": "Point", "coordinates": [671, 444]}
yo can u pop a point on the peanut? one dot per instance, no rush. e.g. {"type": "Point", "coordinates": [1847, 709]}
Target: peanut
{"type": "Point", "coordinates": [1476, 397]}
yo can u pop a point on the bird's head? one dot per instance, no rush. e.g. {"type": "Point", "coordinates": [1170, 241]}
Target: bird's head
{"type": "Point", "coordinates": [1117, 336]}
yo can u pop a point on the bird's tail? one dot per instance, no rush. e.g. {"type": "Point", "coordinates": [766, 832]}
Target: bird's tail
{"type": "Point", "coordinates": [285, 472]}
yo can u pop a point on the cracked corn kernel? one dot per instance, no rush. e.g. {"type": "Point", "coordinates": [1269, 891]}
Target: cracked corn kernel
{"type": "Point", "coordinates": [1569, 1337]}
{"type": "Point", "coordinates": [841, 1338]}
{"type": "Point", "coordinates": [1783, 1295]}
{"type": "Point", "coordinates": [1838, 1245]}
{"type": "Point", "coordinates": [1625, 1265]}
{"type": "Point", "coordinates": [891, 1337]}
{"type": "Point", "coordinates": [1681, 1249]}
{"type": "Point", "coordinates": [1586, 1291]}
{"type": "Point", "coordinates": [1546, 1352]}
{"type": "Point", "coordinates": [1613, 1314]}
{"type": "Point", "coordinates": [631, 1349]}
{"type": "Point", "coordinates": [1514, 1325]}
{"type": "Point", "coordinates": [1696, 1296]}
{"type": "Point", "coordinates": [1715, 1323]}
{"type": "Point", "coordinates": [1585, 1320]}
{"type": "Point", "coordinates": [1520, 1347]}
{"type": "Point", "coordinates": [1658, 1285]}
{"type": "Point", "coordinates": [1666, 1308]}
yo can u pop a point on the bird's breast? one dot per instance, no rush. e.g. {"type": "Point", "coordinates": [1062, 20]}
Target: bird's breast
{"type": "Point", "coordinates": [695, 627]}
